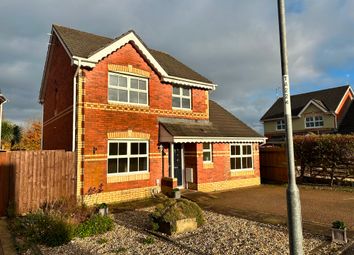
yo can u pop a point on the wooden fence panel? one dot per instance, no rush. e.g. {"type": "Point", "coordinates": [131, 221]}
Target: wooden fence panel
{"type": "Point", "coordinates": [4, 183]}
{"type": "Point", "coordinates": [274, 166]}
{"type": "Point", "coordinates": [36, 177]}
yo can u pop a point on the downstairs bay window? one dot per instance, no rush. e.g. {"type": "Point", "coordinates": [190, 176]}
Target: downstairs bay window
{"type": "Point", "coordinates": [127, 157]}
{"type": "Point", "coordinates": [241, 157]}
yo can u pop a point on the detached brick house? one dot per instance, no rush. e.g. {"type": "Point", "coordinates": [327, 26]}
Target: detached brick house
{"type": "Point", "coordinates": [325, 111]}
{"type": "Point", "coordinates": [135, 116]}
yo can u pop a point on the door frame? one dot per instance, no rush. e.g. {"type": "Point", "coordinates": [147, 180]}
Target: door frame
{"type": "Point", "coordinates": [172, 162]}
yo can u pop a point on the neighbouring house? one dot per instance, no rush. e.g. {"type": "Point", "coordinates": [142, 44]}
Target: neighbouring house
{"type": "Point", "coordinates": [138, 118]}
{"type": "Point", "coordinates": [325, 111]}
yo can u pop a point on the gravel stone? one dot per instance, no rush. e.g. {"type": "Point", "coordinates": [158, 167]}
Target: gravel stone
{"type": "Point", "coordinates": [219, 235]}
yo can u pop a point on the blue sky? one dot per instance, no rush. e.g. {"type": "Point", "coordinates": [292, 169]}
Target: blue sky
{"type": "Point", "coordinates": [233, 43]}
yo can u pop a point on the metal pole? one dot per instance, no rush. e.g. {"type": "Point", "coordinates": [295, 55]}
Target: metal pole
{"type": "Point", "coordinates": [292, 192]}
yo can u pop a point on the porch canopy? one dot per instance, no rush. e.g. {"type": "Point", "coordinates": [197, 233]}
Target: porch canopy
{"type": "Point", "coordinates": [222, 127]}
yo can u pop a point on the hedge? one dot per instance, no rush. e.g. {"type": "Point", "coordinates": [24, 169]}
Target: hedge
{"type": "Point", "coordinates": [331, 156]}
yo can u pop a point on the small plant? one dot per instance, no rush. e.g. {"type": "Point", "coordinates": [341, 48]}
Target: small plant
{"type": "Point", "coordinates": [11, 210]}
{"type": "Point", "coordinates": [97, 224]}
{"type": "Point", "coordinates": [148, 240]}
{"type": "Point", "coordinates": [119, 250]}
{"type": "Point", "coordinates": [102, 240]}
{"type": "Point", "coordinates": [93, 191]}
{"type": "Point", "coordinates": [338, 224]}
{"type": "Point", "coordinates": [102, 206]}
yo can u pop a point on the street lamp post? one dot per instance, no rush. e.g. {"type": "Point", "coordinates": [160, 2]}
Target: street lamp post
{"type": "Point", "coordinates": [292, 192]}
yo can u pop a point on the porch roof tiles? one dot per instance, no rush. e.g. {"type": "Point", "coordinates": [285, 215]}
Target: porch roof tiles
{"type": "Point", "coordinates": [221, 124]}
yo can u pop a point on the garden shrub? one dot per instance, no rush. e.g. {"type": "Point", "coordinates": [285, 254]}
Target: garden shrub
{"type": "Point", "coordinates": [58, 222]}
{"type": "Point", "coordinates": [173, 210]}
{"type": "Point", "coordinates": [69, 209]}
{"type": "Point", "coordinates": [44, 229]}
{"type": "Point", "coordinates": [97, 224]}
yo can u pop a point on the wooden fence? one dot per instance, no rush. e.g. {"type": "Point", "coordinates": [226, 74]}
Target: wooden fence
{"type": "Point", "coordinates": [30, 178]}
{"type": "Point", "coordinates": [274, 165]}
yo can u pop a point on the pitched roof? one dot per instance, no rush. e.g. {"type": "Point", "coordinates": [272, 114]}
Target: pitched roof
{"type": "Point", "coordinates": [221, 124]}
{"type": "Point", "coordinates": [83, 44]}
{"type": "Point", "coordinates": [329, 98]}
{"type": "Point", "coordinates": [347, 124]}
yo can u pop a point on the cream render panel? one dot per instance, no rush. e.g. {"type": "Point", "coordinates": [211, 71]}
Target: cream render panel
{"type": "Point", "coordinates": [299, 123]}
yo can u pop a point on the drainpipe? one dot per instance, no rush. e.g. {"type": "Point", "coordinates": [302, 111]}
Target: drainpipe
{"type": "Point", "coordinates": [74, 105]}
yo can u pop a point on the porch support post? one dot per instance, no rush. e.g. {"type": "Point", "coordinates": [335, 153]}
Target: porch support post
{"type": "Point", "coordinates": [172, 162]}
{"type": "Point", "coordinates": [182, 166]}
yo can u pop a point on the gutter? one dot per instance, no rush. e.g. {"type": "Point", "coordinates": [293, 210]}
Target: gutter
{"type": "Point", "coordinates": [74, 105]}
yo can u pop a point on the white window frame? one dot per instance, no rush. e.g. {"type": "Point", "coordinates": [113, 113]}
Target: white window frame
{"type": "Point", "coordinates": [209, 150]}
{"type": "Point", "coordinates": [180, 96]}
{"type": "Point", "coordinates": [128, 88]}
{"type": "Point", "coordinates": [128, 156]}
{"type": "Point", "coordinates": [242, 156]}
{"type": "Point", "coordinates": [316, 123]}
{"type": "Point", "coordinates": [280, 125]}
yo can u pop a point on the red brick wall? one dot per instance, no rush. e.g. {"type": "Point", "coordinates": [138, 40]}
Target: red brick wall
{"type": "Point", "coordinates": [220, 170]}
{"type": "Point", "coordinates": [99, 122]}
{"type": "Point", "coordinates": [57, 118]}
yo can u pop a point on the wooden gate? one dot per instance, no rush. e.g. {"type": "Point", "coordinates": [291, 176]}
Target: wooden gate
{"type": "Point", "coordinates": [274, 166]}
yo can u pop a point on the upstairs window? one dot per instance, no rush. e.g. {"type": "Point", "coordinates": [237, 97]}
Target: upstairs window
{"type": "Point", "coordinates": [280, 125]}
{"type": "Point", "coordinates": [314, 121]}
{"type": "Point", "coordinates": [127, 89]}
{"type": "Point", "coordinates": [207, 153]}
{"type": "Point", "coordinates": [127, 157]}
{"type": "Point", "coordinates": [181, 98]}
{"type": "Point", "coordinates": [241, 157]}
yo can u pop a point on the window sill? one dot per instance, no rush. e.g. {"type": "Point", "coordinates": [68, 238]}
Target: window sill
{"type": "Point", "coordinates": [208, 165]}
{"type": "Point", "coordinates": [128, 104]}
{"type": "Point", "coordinates": [242, 172]}
{"type": "Point", "coordinates": [128, 177]}
{"type": "Point", "coordinates": [181, 109]}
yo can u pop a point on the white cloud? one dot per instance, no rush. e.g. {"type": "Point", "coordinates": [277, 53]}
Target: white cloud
{"type": "Point", "coordinates": [233, 43]}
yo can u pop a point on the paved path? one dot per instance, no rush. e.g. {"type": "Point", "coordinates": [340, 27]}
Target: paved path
{"type": "Point", "coordinates": [6, 242]}
{"type": "Point", "coordinates": [267, 203]}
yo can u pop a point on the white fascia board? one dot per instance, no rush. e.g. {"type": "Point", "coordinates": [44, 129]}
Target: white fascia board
{"type": "Point", "coordinates": [122, 41]}
{"type": "Point", "coordinates": [341, 101]}
{"type": "Point", "coordinates": [187, 82]}
{"type": "Point", "coordinates": [184, 139]}
{"type": "Point", "coordinates": [315, 104]}
{"type": "Point", "coordinates": [83, 62]}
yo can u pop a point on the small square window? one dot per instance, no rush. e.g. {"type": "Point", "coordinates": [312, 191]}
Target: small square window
{"type": "Point", "coordinates": [207, 152]}
{"type": "Point", "coordinates": [181, 97]}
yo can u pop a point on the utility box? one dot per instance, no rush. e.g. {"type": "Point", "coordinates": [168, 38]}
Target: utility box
{"type": "Point", "coordinates": [189, 174]}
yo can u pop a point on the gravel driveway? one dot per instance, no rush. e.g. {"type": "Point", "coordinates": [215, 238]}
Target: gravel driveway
{"type": "Point", "coordinates": [220, 235]}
